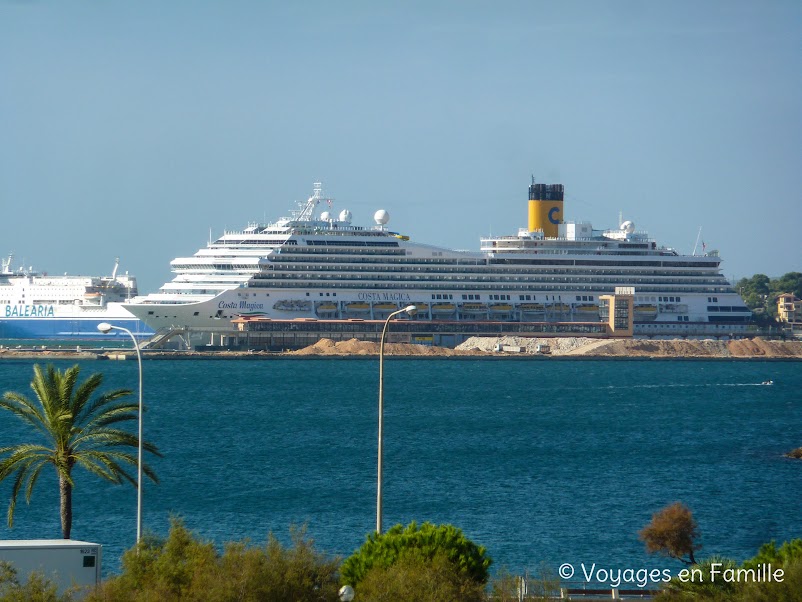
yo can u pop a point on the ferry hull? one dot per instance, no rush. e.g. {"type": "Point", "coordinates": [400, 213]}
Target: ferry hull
{"type": "Point", "coordinates": [66, 328]}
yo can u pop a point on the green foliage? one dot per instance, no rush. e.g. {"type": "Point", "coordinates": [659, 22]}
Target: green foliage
{"type": "Point", "coordinates": [752, 584]}
{"type": "Point", "coordinates": [422, 543]}
{"type": "Point", "coordinates": [37, 588]}
{"type": "Point", "coordinates": [542, 586]}
{"type": "Point", "coordinates": [504, 586]}
{"type": "Point", "coordinates": [74, 429]}
{"type": "Point", "coordinates": [787, 590]}
{"type": "Point", "coordinates": [789, 283]}
{"type": "Point", "coordinates": [789, 552]}
{"type": "Point", "coordinates": [760, 292]}
{"type": "Point", "coordinates": [416, 579]}
{"type": "Point", "coordinates": [699, 583]}
{"type": "Point", "coordinates": [185, 568]}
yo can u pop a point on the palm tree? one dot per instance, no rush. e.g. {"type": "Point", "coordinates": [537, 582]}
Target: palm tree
{"type": "Point", "coordinates": [77, 430]}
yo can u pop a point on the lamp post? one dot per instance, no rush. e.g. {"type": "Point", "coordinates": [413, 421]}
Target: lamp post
{"type": "Point", "coordinates": [105, 328]}
{"type": "Point", "coordinates": [409, 309]}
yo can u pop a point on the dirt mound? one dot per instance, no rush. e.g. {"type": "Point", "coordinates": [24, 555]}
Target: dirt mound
{"type": "Point", "coordinates": [700, 348]}
{"type": "Point", "coordinates": [758, 347]}
{"type": "Point", "coordinates": [482, 346]}
{"type": "Point", "coordinates": [669, 348]}
{"type": "Point", "coordinates": [357, 347]}
{"type": "Point", "coordinates": [557, 345]}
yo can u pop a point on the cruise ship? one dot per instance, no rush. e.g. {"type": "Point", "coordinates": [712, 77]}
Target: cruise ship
{"type": "Point", "coordinates": [38, 306]}
{"type": "Point", "coordinates": [318, 265]}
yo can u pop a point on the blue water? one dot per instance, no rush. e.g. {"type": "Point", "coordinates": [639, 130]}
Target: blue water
{"type": "Point", "coordinates": [539, 461]}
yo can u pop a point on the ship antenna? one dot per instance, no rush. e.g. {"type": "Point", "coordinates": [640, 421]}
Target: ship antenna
{"type": "Point", "coordinates": [306, 211]}
{"type": "Point", "coordinates": [698, 236]}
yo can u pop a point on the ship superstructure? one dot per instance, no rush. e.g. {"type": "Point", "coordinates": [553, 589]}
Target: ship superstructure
{"type": "Point", "coordinates": [41, 306]}
{"type": "Point", "coordinates": [314, 264]}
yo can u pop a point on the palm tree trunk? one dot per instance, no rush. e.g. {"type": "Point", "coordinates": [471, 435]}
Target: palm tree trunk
{"type": "Point", "coordinates": [65, 491]}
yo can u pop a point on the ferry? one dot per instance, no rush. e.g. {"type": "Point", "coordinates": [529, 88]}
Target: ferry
{"type": "Point", "coordinates": [39, 306]}
{"type": "Point", "coordinates": [315, 264]}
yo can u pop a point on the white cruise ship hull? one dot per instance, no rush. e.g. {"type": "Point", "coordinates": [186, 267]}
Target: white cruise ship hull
{"type": "Point", "coordinates": [320, 267]}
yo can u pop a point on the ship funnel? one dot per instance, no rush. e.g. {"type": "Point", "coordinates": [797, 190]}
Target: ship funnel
{"type": "Point", "coordinates": [545, 208]}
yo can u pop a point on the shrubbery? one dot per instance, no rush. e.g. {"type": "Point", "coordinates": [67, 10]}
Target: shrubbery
{"type": "Point", "coordinates": [752, 584]}
{"type": "Point", "coordinates": [413, 564]}
{"type": "Point", "coordinates": [185, 568]}
{"type": "Point", "coordinates": [37, 587]}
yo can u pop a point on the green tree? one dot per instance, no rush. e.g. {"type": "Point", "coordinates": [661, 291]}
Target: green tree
{"type": "Point", "coordinates": [672, 532]}
{"type": "Point", "coordinates": [788, 283]}
{"type": "Point", "coordinates": [77, 429]}
{"type": "Point", "coordinates": [424, 542]}
{"type": "Point", "coordinates": [415, 579]}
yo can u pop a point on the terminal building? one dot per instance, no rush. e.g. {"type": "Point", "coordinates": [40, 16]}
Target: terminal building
{"type": "Point", "coordinates": [616, 313]}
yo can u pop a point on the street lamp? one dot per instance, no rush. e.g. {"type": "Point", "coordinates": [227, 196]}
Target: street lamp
{"type": "Point", "coordinates": [105, 328]}
{"type": "Point", "coordinates": [409, 309]}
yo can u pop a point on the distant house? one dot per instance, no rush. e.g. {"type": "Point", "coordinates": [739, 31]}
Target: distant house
{"type": "Point", "coordinates": [789, 310]}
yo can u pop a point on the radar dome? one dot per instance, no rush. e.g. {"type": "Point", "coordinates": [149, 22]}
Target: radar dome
{"type": "Point", "coordinates": [628, 227]}
{"type": "Point", "coordinates": [325, 216]}
{"type": "Point", "coordinates": [345, 216]}
{"type": "Point", "coordinates": [381, 217]}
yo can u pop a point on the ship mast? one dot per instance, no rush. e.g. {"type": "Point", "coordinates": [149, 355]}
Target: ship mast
{"type": "Point", "coordinates": [698, 236]}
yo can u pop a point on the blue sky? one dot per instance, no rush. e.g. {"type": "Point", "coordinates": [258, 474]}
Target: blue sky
{"type": "Point", "coordinates": [129, 129]}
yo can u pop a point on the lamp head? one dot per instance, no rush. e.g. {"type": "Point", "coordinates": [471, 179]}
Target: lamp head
{"type": "Point", "coordinates": [411, 310]}
{"type": "Point", "coordinates": [104, 327]}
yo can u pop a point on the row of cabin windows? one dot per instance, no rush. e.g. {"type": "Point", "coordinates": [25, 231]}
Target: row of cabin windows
{"type": "Point", "coordinates": [584, 297]}
{"type": "Point", "coordinates": [670, 299]}
{"type": "Point", "coordinates": [362, 273]}
{"type": "Point", "coordinates": [442, 297]}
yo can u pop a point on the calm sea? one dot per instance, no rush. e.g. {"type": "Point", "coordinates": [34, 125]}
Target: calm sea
{"type": "Point", "coordinates": [539, 461]}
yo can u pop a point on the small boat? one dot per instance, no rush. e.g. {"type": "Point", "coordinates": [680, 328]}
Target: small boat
{"type": "Point", "coordinates": [501, 307]}
{"type": "Point", "coordinates": [587, 308]}
{"type": "Point", "coordinates": [357, 306]}
{"type": "Point", "coordinates": [443, 308]}
{"type": "Point", "coordinates": [327, 307]}
{"type": "Point", "coordinates": [767, 382]}
{"type": "Point", "coordinates": [531, 307]}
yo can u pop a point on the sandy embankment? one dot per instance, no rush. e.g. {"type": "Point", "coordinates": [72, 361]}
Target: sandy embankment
{"type": "Point", "coordinates": [573, 346]}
